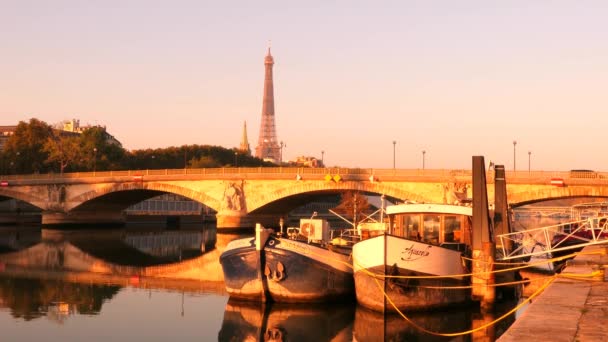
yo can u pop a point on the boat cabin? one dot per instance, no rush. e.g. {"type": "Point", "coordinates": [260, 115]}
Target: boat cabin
{"type": "Point", "coordinates": [438, 224]}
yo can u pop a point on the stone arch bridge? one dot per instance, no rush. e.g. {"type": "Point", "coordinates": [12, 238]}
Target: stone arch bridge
{"type": "Point", "coordinates": [243, 196]}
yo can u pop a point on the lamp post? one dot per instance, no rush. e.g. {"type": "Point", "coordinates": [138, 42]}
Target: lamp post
{"type": "Point", "coordinates": [514, 143]}
{"type": "Point", "coordinates": [394, 143]}
{"type": "Point", "coordinates": [94, 159]}
{"type": "Point", "coordinates": [281, 155]}
{"type": "Point", "coordinates": [15, 165]}
{"type": "Point", "coordinates": [236, 161]}
{"type": "Point", "coordinates": [529, 156]}
{"type": "Point", "coordinates": [423, 153]}
{"type": "Point", "coordinates": [185, 159]}
{"type": "Point", "coordinates": [322, 158]}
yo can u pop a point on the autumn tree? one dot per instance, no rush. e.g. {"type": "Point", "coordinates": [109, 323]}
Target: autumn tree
{"type": "Point", "coordinates": [97, 152]}
{"type": "Point", "coordinates": [353, 204]}
{"type": "Point", "coordinates": [25, 147]}
{"type": "Point", "coordinates": [62, 149]}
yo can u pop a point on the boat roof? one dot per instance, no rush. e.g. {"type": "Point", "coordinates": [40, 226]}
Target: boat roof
{"type": "Point", "coordinates": [429, 208]}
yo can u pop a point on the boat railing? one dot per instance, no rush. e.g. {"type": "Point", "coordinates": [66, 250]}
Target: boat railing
{"type": "Point", "coordinates": [554, 238]}
{"type": "Point", "coordinates": [345, 237]}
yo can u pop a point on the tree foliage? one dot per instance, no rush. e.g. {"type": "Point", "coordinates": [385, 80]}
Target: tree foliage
{"type": "Point", "coordinates": [62, 149]}
{"type": "Point", "coordinates": [25, 147]}
{"type": "Point", "coordinates": [353, 205]}
{"type": "Point", "coordinates": [37, 147]}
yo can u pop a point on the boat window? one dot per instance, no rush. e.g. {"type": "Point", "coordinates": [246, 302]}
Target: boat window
{"type": "Point", "coordinates": [412, 222]}
{"type": "Point", "coordinates": [407, 226]}
{"type": "Point", "coordinates": [397, 225]}
{"type": "Point", "coordinates": [452, 228]}
{"type": "Point", "coordinates": [431, 228]}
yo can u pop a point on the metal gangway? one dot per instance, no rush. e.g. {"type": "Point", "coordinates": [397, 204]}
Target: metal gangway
{"type": "Point", "coordinates": [556, 238]}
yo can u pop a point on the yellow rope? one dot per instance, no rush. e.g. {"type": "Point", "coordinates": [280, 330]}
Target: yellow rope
{"type": "Point", "coordinates": [536, 293]}
{"type": "Point", "coordinates": [579, 276]}
{"type": "Point", "coordinates": [517, 307]}
{"type": "Point", "coordinates": [509, 283]}
{"type": "Point", "coordinates": [378, 275]}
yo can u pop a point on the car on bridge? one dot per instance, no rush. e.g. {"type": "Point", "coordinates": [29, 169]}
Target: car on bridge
{"type": "Point", "coordinates": [583, 173]}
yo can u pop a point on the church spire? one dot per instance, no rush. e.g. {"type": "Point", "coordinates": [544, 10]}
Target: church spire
{"type": "Point", "coordinates": [244, 148]}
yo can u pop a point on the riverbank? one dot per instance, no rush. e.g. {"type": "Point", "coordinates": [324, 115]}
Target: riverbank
{"type": "Point", "coordinates": [574, 307]}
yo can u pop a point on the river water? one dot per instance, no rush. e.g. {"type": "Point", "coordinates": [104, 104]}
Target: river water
{"type": "Point", "coordinates": [87, 285]}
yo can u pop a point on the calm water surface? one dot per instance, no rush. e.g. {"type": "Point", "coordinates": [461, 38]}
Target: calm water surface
{"type": "Point", "coordinates": [83, 286]}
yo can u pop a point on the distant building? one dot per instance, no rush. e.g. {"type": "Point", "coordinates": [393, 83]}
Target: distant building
{"type": "Point", "coordinates": [73, 126]}
{"type": "Point", "coordinates": [306, 161]}
{"type": "Point", "coordinates": [5, 133]}
{"type": "Point", "coordinates": [244, 147]}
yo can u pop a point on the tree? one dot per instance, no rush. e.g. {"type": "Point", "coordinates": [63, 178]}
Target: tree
{"type": "Point", "coordinates": [62, 149]}
{"type": "Point", "coordinates": [98, 152]}
{"type": "Point", "coordinates": [204, 161]}
{"type": "Point", "coordinates": [352, 204]}
{"type": "Point", "coordinates": [25, 147]}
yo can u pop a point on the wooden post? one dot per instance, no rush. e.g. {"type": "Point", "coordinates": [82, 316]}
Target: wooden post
{"type": "Point", "coordinates": [483, 246]}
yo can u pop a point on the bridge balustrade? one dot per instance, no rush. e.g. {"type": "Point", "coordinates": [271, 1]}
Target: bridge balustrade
{"type": "Point", "coordinates": [570, 177]}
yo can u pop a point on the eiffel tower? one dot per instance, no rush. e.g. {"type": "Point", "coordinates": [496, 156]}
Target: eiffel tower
{"type": "Point", "coordinates": [268, 148]}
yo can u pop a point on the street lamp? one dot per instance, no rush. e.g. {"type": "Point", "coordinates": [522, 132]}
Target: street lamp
{"type": "Point", "coordinates": [514, 143]}
{"type": "Point", "coordinates": [322, 158]}
{"type": "Point", "coordinates": [529, 156]}
{"type": "Point", "coordinates": [423, 153]}
{"type": "Point", "coordinates": [94, 159]}
{"type": "Point", "coordinates": [236, 161]}
{"type": "Point", "coordinates": [281, 155]}
{"type": "Point", "coordinates": [14, 165]}
{"type": "Point", "coordinates": [185, 159]}
{"type": "Point", "coordinates": [394, 143]}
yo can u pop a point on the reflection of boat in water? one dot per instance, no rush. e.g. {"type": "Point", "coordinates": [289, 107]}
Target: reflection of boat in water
{"type": "Point", "coordinates": [302, 267]}
{"type": "Point", "coordinates": [250, 321]}
{"type": "Point", "coordinates": [418, 261]}
{"type": "Point", "coordinates": [373, 326]}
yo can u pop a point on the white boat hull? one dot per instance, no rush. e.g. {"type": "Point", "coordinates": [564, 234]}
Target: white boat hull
{"type": "Point", "coordinates": [384, 267]}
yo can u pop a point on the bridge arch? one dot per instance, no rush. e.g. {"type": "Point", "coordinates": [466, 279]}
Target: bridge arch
{"type": "Point", "coordinates": [26, 197]}
{"type": "Point", "coordinates": [149, 190]}
{"type": "Point", "coordinates": [518, 199]}
{"type": "Point", "coordinates": [298, 188]}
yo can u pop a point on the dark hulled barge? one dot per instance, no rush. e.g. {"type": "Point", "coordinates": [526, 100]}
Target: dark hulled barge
{"type": "Point", "coordinates": [300, 267]}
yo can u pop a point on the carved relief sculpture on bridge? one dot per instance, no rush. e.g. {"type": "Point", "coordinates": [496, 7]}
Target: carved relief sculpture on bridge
{"type": "Point", "coordinates": [56, 196]}
{"type": "Point", "coordinates": [455, 192]}
{"type": "Point", "coordinates": [233, 197]}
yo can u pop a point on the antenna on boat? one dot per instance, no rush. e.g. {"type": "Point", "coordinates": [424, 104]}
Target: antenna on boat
{"type": "Point", "coordinates": [382, 208]}
{"type": "Point", "coordinates": [355, 211]}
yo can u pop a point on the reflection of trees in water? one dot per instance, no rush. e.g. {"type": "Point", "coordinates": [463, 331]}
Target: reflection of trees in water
{"type": "Point", "coordinates": [32, 298]}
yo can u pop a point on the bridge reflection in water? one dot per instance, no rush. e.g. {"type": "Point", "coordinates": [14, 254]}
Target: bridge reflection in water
{"type": "Point", "coordinates": [62, 275]}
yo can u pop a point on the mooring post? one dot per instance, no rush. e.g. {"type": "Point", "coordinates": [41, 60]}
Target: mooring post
{"type": "Point", "coordinates": [483, 245]}
{"type": "Point", "coordinates": [501, 208]}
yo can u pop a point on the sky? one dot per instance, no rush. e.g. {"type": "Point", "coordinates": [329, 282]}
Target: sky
{"type": "Point", "coordinates": [452, 78]}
